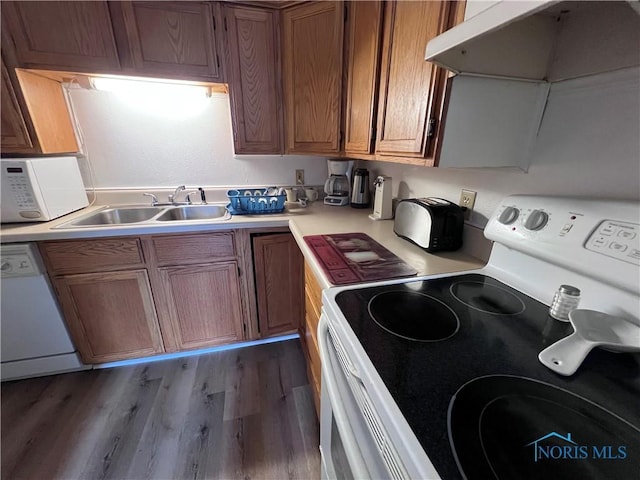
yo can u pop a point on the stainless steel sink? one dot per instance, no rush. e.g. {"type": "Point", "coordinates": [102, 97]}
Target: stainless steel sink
{"type": "Point", "coordinates": [193, 212]}
{"type": "Point", "coordinates": [117, 216]}
{"type": "Point", "coordinates": [113, 216]}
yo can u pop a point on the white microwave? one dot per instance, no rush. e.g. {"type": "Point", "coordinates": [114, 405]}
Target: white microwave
{"type": "Point", "coordinates": [40, 189]}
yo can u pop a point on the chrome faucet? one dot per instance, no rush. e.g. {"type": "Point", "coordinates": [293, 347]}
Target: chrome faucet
{"type": "Point", "coordinates": [172, 198]}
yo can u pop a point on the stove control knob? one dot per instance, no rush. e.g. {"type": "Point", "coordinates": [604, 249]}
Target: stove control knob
{"type": "Point", "coordinates": [509, 215]}
{"type": "Point", "coordinates": [536, 220]}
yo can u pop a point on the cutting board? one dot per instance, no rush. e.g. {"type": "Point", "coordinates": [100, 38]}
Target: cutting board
{"type": "Point", "coordinates": [355, 258]}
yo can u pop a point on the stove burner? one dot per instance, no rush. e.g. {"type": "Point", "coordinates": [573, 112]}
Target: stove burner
{"type": "Point", "coordinates": [502, 427]}
{"type": "Point", "coordinates": [413, 316]}
{"type": "Point", "coordinates": [487, 298]}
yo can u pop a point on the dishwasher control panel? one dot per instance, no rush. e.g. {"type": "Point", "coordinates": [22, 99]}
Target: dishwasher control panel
{"type": "Point", "coordinates": [18, 261]}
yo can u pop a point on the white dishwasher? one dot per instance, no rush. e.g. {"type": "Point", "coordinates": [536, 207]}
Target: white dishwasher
{"type": "Point", "coordinates": [34, 337]}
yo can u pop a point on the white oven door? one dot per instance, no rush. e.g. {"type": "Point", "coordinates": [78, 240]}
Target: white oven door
{"type": "Point", "coordinates": [349, 448]}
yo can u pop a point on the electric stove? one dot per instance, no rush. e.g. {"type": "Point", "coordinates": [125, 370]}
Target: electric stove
{"type": "Point", "coordinates": [439, 377]}
{"type": "Point", "coordinates": [428, 339]}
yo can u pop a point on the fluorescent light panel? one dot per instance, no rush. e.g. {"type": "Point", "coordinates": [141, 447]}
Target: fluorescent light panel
{"type": "Point", "coordinates": [157, 98]}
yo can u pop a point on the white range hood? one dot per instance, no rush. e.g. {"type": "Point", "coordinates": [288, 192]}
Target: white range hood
{"type": "Point", "coordinates": [543, 40]}
{"type": "Point", "coordinates": [512, 56]}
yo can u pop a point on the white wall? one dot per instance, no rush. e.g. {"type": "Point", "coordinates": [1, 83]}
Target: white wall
{"type": "Point", "coordinates": [588, 145]}
{"type": "Point", "coordinates": [474, 7]}
{"type": "Point", "coordinates": [132, 147]}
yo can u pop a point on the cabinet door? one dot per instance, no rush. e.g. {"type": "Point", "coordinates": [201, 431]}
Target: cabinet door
{"type": "Point", "coordinates": [308, 335]}
{"type": "Point", "coordinates": [312, 61]}
{"type": "Point", "coordinates": [279, 277]}
{"type": "Point", "coordinates": [15, 135]}
{"type": "Point", "coordinates": [175, 39]}
{"type": "Point", "coordinates": [62, 35]}
{"type": "Point", "coordinates": [110, 316]}
{"type": "Point", "coordinates": [363, 47]}
{"type": "Point", "coordinates": [253, 63]}
{"type": "Point", "coordinates": [203, 304]}
{"type": "Point", "coordinates": [407, 82]}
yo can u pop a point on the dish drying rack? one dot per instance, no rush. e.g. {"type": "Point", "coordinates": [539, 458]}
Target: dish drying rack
{"type": "Point", "coordinates": [252, 201]}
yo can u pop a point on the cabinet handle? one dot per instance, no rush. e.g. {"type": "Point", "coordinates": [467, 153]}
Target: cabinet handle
{"type": "Point", "coordinates": [431, 129]}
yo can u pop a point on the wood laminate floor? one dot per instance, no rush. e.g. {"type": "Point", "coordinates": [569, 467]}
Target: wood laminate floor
{"type": "Point", "coordinates": [245, 413]}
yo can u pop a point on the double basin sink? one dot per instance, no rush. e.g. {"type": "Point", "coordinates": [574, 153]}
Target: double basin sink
{"type": "Point", "coordinates": [111, 216]}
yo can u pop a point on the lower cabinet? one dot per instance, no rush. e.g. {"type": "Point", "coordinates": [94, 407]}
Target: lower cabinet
{"type": "Point", "coordinates": [309, 332]}
{"type": "Point", "coordinates": [203, 304]}
{"type": "Point", "coordinates": [129, 297]}
{"type": "Point", "coordinates": [278, 266]}
{"type": "Point", "coordinates": [110, 315]}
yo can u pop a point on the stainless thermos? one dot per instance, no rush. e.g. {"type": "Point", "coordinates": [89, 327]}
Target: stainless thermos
{"type": "Point", "coordinates": [360, 195]}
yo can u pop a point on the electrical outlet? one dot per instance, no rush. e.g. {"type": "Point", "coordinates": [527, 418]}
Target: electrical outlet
{"type": "Point", "coordinates": [468, 200]}
{"type": "Point", "coordinates": [299, 177]}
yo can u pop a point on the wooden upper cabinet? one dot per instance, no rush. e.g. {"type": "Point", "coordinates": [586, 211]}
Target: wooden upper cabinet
{"type": "Point", "coordinates": [408, 84]}
{"type": "Point", "coordinates": [175, 39]}
{"type": "Point", "coordinates": [15, 134]}
{"type": "Point", "coordinates": [28, 127]}
{"type": "Point", "coordinates": [253, 73]}
{"type": "Point", "coordinates": [312, 62]}
{"type": "Point", "coordinates": [363, 46]}
{"type": "Point", "coordinates": [73, 36]}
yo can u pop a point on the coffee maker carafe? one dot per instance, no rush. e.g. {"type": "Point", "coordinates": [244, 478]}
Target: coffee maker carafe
{"type": "Point", "coordinates": [360, 195]}
{"type": "Point", "coordinates": [337, 186]}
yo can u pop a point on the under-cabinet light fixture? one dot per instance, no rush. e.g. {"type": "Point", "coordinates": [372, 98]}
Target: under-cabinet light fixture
{"type": "Point", "coordinates": [137, 85]}
{"type": "Point", "coordinates": [156, 97]}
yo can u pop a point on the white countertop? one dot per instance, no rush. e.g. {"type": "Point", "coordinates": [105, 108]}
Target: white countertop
{"type": "Point", "coordinates": [325, 220]}
{"type": "Point", "coordinates": [313, 220]}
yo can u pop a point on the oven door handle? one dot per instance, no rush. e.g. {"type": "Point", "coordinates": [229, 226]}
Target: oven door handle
{"type": "Point", "coordinates": [352, 450]}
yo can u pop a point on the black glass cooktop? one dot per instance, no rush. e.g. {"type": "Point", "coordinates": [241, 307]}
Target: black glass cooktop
{"type": "Point", "coordinates": [431, 341]}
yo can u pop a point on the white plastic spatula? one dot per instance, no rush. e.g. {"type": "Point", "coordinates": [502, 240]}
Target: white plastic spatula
{"type": "Point", "coordinates": [592, 329]}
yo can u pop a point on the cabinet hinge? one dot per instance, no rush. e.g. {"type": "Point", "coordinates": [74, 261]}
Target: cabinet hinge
{"type": "Point", "coordinates": [239, 272]}
{"type": "Point", "coordinates": [218, 60]}
{"type": "Point", "coordinates": [431, 128]}
{"type": "Point", "coordinates": [225, 23]}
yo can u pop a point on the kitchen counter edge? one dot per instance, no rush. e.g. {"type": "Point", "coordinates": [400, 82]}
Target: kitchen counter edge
{"type": "Point", "coordinates": [313, 220]}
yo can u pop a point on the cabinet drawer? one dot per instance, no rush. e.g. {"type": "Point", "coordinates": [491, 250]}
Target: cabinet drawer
{"type": "Point", "coordinates": [313, 360]}
{"type": "Point", "coordinates": [312, 311]}
{"type": "Point", "coordinates": [312, 285]}
{"type": "Point", "coordinates": [184, 249]}
{"type": "Point", "coordinates": [84, 256]}
{"type": "Point", "coordinates": [315, 389]}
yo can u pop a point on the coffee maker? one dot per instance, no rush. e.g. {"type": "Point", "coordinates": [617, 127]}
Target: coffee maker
{"type": "Point", "coordinates": [337, 187]}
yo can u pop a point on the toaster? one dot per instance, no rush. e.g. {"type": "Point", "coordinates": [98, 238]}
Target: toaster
{"type": "Point", "coordinates": [433, 224]}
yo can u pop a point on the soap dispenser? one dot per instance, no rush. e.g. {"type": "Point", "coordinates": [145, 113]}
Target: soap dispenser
{"type": "Point", "coordinates": [382, 205]}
